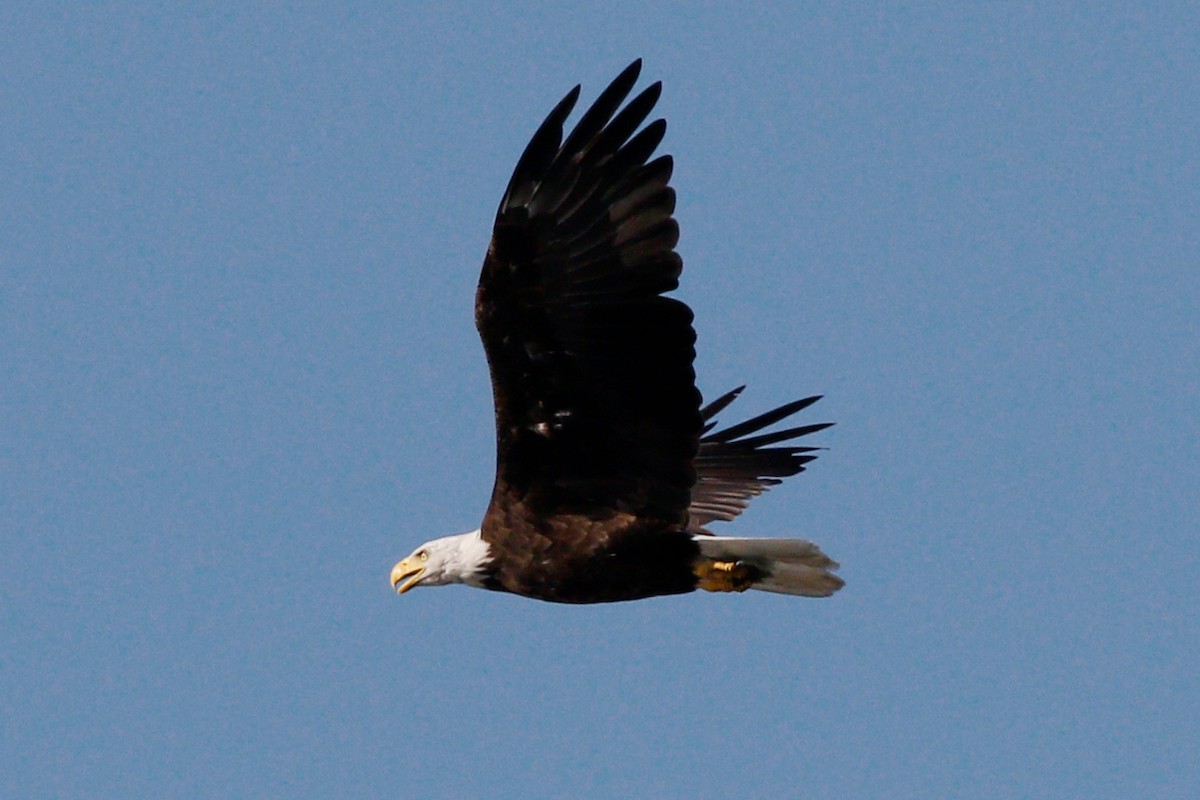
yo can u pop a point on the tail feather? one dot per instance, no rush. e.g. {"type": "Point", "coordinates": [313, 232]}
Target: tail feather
{"type": "Point", "coordinates": [800, 580]}
{"type": "Point", "coordinates": [789, 566]}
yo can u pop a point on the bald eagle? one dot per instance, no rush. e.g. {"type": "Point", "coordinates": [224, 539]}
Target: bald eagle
{"type": "Point", "coordinates": [607, 466]}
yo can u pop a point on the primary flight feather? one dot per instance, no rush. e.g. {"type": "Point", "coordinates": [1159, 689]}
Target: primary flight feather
{"type": "Point", "coordinates": [607, 466]}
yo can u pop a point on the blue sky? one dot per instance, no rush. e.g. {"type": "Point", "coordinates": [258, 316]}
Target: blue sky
{"type": "Point", "coordinates": [241, 379]}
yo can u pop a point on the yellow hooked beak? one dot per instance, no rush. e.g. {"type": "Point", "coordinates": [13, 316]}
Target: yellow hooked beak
{"type": "Point", "coordinates": [406, 569]}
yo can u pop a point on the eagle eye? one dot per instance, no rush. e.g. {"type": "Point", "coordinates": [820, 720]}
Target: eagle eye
{"type": "Point", "coordinates": [423, 555]}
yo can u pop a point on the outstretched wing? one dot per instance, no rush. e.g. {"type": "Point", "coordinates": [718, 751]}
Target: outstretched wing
{"type": "Point", "coordinates": [596, 405]}
{"type": "Point", "coordinates": [733, 467]}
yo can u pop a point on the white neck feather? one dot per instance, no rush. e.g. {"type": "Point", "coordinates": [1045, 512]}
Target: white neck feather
{"type": "Point", "coordinates": [466, 556]}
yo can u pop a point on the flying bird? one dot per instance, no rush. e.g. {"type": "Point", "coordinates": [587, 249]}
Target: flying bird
{"type": "Point", "coordinates": [608, 467]}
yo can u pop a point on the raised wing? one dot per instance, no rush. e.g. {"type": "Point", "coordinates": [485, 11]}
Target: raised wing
{"type": "Point", "coordinates": [596, 405]}
{"type": "Point", "coordinates": [732, 467]}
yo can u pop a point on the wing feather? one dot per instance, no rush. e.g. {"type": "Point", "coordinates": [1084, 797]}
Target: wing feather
{"type": "Point", "coordinates": [596, 406]}
{"type": "Point", "coordinates": [732, 467]}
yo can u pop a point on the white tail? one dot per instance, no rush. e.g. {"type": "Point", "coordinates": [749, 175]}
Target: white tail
{"type": "Point", "coordinates": [789, 566]}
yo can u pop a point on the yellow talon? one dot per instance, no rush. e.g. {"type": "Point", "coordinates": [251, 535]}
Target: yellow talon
{"type": "Point", "coordinates": [724, 576]}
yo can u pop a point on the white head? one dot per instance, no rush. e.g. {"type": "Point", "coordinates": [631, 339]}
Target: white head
{"type": "Point", "coordinates": [450, 559]}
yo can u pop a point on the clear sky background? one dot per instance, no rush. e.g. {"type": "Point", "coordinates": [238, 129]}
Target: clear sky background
{"type": "Point", "coordinates": [239, 379]}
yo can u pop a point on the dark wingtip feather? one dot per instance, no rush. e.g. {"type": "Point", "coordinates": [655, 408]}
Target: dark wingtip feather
{"type": "Point", "coordinates": [784, 435]}
{"type": "Point", "coordinates": [539, 153]}
{"type": "Point", "coordinates": [733, 467]}
{"type": "Point", "coordinates": [721, 403]}
{"type": "Point", "coordinates": [763, 420]}
{"type": "Point", "coordinates": [601, 110]}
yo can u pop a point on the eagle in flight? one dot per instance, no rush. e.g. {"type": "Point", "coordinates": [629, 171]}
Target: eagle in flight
{"type": "Point", "coordinates": [608, 465]}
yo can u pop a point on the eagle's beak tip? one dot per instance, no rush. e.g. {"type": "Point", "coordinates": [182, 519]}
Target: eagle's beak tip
{"type": "Point", "coordinates": [402, 571]}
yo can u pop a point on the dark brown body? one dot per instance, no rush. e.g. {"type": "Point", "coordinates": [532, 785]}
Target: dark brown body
{"type": "Point", "coordinates": [578, 558]}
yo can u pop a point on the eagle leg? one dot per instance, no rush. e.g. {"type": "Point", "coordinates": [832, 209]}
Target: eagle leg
{"type": "Point", "coordinates": [725, 576]}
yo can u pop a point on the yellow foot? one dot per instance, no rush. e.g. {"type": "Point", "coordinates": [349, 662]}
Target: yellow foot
{"type": "Point", "coordinates": [724, 576]}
